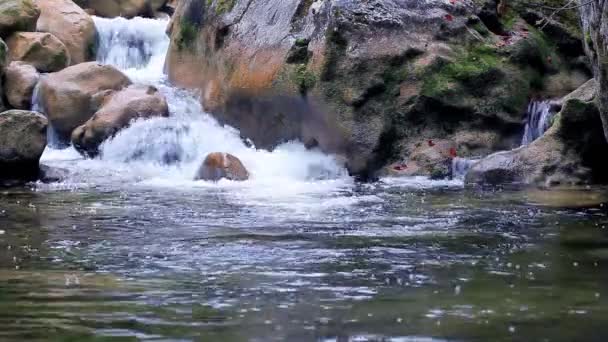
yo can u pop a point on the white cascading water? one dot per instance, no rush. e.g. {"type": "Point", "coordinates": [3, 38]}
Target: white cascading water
{"type": "Point", "coordinates": [538, 120]}
{"type": "Point", "coordinates": [168, 151]}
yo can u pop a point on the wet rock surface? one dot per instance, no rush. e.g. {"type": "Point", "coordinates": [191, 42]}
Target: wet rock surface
{"type": "Point", "coordinates": [71, 96]}
{"type": "Point", "coordinates": [570, 153]}
{"type": "Point", "coordinates": [22, 141]}
{"type": "Point", "coordinates": [20, 79]}
{"type": "Point", "coordinates": [384, 73]}
{"type": "Point", "coordinates": [217, 166]}
{"type": "Point", "coordinates": [42, 50]}
{"type": "Point", "coordinates": [117, 111]}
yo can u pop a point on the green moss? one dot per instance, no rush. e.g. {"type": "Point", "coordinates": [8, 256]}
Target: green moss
{"type": "Point", "coordinates": [222, 6]}
{"type": "Point", "coordinates": [187, 35]}
{"type": "Point", "coordinates": [469, 68]}
{"type": "Point", "coordinates": [303, 78]}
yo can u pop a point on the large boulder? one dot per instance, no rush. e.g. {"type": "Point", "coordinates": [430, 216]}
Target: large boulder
{"type": "Point", "coordinates": [20, 80]}
{"type": "Point", "coordinates": [71, 96]}
{"type": "Point", "coordinates": [595, 31]}
{"type": "Point", "coordinates": [117, 111]}
{"type": "Point", "coordinates": [22, 142]}
{"type": "Point", "coordinates": [382, 74]}
{"type": "Point", "coordinates": [41, 49]}
{"type": "Point", "coordinates": [72, 25]}
{"type": "Point", "coordinates": [571, 152]}
{"type": "Point", "coordinates": [123, 8]}
{"type": "Point", "coordinates": [17, 15]}
{"type": "Point", "coordinates": [222, 166]}
{"type": "Point", "coordinates": [3, 64]}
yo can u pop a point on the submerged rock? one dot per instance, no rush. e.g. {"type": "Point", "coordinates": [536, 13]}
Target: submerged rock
{"type": "Point", "coordinates": [571, 152]}
{"type": "Point", "coordinates": [42, 50]}
{"type": "Point", "coordinates": [20, 80]}
{"type": "Point", "coordinates": [17, 15]}
{"type": "Point", "coordinates": [118, 109]}
{"type": "Point", "coordinates": [22, 142]}
{"type": "Point", "coordinates": [72, 25]}
{"type": "Point", "coordinates": [71, 96]}
{"type": "Point", "coordinates": [222, 165]}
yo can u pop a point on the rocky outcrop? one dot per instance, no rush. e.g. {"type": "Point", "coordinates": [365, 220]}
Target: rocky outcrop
{"type": "Point", "coordinates": [72, 25]}
{"type": "Point", "coordinates": [17, 15]}
{"type": "Point", "coordinates": [20, 80]}
{"type": "Point", "coordinates": [219, 166]}
{"type": "Point", "coordinates": [123, 8]}
{"type": "Point", "coordinates": [42, 50]}
{"type": "Point", "coordinates": [595, 31]}
{"type": "Point", "coordinates": [117, 111]}
{"type": "Point", "coordinates": [22, 141]}
{"type": "Point", "coordinates": [571, 152]}
{"type": "Point", "coordinates": [71, 96]}
{"type": "Point", "coordinates": [379, 74]}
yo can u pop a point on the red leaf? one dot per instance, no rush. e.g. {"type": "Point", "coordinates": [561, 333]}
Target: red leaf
{"type": "Point", "coordinates": [449, 17]}
{"type": "Point", "coordinates": [431, 143]}
{"type": "Point", "coordinates": [453, 153]}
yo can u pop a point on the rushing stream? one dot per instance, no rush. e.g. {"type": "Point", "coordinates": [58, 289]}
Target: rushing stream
{"type": "Point", "coordinates": [129, 246]}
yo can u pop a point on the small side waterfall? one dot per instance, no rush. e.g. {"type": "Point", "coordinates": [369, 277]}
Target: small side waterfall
{"type": "Point", "coordinates": [538, 120]}
{"type": "Point", "coordinates": [460, 167]}
{"type": "Point", "coordinates": [38, 106]}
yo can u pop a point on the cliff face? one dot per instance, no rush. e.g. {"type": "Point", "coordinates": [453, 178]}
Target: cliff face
{"type": "Point", "coordinates": [368, 79]}
{"type": "Point", "coordinates": [594, 16]}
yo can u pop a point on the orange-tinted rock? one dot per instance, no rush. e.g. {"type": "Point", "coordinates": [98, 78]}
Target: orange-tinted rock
{"type": "Point", "coordinates": [222, 166]}
{"type": "Point", "coordinates": [41, 49]}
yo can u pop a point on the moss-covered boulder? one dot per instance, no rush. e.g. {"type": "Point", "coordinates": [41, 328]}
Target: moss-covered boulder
{"type": "Point", "coordinates": [380, 74]}
{"type": "Point", "coordinates": [572, 152]}
{"type": "Point", "coordinates": [22, 142]}
{"type": "Point", "coordinates": [17, 15]}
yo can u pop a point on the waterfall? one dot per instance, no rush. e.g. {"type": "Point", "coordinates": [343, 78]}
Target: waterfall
{"type": "Point", "coordinates": [460, 167]}
{"type": "Point", "coordinates": [38, 106]}
{"type": "Point", "coordinates": [170, 150]}
{"type": "Point", "coordinates": [538, 120]}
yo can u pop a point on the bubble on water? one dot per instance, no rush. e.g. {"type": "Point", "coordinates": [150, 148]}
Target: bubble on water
{"type": "Point", "coordinates": [511, 329]}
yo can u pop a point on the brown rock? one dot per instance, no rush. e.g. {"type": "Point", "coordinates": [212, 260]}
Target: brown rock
{"type": "Point", "coordinates": [219, 165]}
{"type": "Point", "coordinates": [117, 111]}
{"type": "Point", "coordinates": [429, 158]}
{"type": "Point", "coordinates": [71, 96]}
{"type": "Point", "coordinates": [125, 8]}
{"type": "Point", "coordinates": [42, 50]}
{"type": "Point", "coordinates": [19, 83]}
{"type": "Point", "coordinates": [17, 15]}
{"type": "Point", "coordinates": [72, 25]}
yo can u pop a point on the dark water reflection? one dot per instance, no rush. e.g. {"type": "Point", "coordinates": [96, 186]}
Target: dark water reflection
{"type": "Point", "coordinates": [389, 263]}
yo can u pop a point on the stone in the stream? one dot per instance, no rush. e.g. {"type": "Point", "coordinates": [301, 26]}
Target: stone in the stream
{"type": "Point", "coordinates": [42, 50]}
{"type": "Point", "coordinates": [72, 25]}
{"type": "Point", "coordinates": [123, 8]}
{"type": "Point", "coordinates": [17, 15]}
{"type": "Point", "coordinates": [22, 142]}
{"type": "Point", "coordinates": [71, 96]}
{"type": "Point", "coordinates": [20, 79]}
{"type": "Point", "coordinates": [219, 165]}
{"type": "Point", "coordinates": [117, 111]}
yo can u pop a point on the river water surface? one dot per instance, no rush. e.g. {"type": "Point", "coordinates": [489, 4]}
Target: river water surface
{"type": "Point", "coordinates": [127, 247]}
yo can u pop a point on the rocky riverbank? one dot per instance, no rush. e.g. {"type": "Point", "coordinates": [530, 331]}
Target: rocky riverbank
{"type": "Point", "coordinates": [395, 87]}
